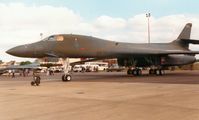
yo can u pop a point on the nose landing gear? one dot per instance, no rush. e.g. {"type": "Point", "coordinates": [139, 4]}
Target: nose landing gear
{"type": "Point", "coordinates": [66, 77]}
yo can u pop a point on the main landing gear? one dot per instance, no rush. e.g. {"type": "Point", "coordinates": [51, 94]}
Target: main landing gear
{"type": "Point", "coordinates": [135, 72]}
{"type": "Point", "coordinates": [138, 72]}
{"type": "Point", "coordinates": [156, 72]}
{"type": "Point", "coordinates": [66, 77]}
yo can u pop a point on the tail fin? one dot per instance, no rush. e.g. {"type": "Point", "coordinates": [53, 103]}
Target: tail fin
{"type": "Point", "coordinates": [184, 35]}
{"type": "Point", "coordinates": [186, 32]}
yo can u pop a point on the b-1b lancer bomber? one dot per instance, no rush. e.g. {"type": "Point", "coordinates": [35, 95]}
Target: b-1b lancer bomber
{"type": "Point", "coordinates": [157, 56]}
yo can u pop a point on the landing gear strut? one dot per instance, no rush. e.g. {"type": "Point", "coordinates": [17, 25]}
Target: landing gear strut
{"type": "Point", "coordinates": [66, 77]}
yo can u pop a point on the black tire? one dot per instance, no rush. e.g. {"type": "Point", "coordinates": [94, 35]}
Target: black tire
{"type": "Point", "coordinates": [134, 72]}
{"type": "Point", "coordinates": [63, 78]}
{"type": "Point", "coordinates": [32, 83]}
{"type": "Point", "coordinates": [160, 72]}
{"type": "Point", "coordinates": [156, 72]}
{"type": "Point", "coordinates": [129, 72]}
{"type": "Point", "coordinates": [37, 84]}
{"type": "Point", "coordinates": [150, 72]}
{"type": "Point", "coordinates": [66, 78]}
{"type": "Point", "coordinates": [139, 72]}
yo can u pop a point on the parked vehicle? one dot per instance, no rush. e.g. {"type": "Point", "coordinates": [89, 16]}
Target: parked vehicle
{"type": "Point", "coordinates": [99, 66]}
{"type": "Point", "coordinates": [78, 68]}
{"type": "Point", "coordinates": [115, 68]}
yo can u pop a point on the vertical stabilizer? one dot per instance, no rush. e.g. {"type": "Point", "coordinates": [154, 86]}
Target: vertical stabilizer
{"type": "Point", "coordinates": [186, 32]}
{"type": "Point", "coordinates": [183, 37]}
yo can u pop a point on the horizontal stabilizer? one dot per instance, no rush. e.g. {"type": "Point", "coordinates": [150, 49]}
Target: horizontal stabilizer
{"type": "Point", "coordinates": [190, 41]}
{"type": "Point", "coordinates": [179, 52]}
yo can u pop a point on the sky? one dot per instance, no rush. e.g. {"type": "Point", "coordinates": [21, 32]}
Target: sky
{"type": "Point", "coordinates": [22, 21]}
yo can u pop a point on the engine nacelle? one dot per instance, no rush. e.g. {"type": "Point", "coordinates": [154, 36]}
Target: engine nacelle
{"type": "Point", "coordinates": [147, 61]}
{"type": "Point", "coordinates": [139, 61]}
{"type": "Point", "coordinates": [176, 60]}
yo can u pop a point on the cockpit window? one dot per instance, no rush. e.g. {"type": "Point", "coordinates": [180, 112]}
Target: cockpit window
{"type": "Point", "coordinates": [59, 38]}
{"type": "Point", "coordinates": [55, 38]}
{"type": "Point", "coordinates": [52, 38]}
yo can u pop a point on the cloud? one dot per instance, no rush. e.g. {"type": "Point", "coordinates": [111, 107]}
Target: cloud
{"type": "Point", "coordinates": [20, 24]}
{"type": "Point", "coordinates": [107, 22]}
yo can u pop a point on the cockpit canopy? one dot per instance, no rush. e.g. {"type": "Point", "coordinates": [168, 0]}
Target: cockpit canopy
{"type": "Point", "coordinates": [54, 38]}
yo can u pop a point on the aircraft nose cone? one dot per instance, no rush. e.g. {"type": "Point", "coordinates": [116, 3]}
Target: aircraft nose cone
{"type": "Point", "coordinates": [16, 51]}
{"type": "Point", "coordinates": [10, 51]}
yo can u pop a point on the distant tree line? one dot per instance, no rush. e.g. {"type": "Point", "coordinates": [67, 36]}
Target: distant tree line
{"type": "Point", "coordinates": [25, 63]}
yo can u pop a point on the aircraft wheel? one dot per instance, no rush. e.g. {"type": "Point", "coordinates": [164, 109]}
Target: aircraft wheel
{"type": "Point", "coordinates": [32, 83]}
{"type": "Point", "coordinates": [139, 72]}
{"type": "Point", "coordinates": [63, 79]}
{"type": "Point", "coordinates": [150, 72]}
{"type": "Point", "coordinates": [66, 78]}
{"type": "Point", "coordinates": [134, 72]}
{"type": "Point", "coordinates": [158, 72]}
{"type": "Point", "coordinates": [162, 72]}
{"type": "Point", "coordinates": [129, 72]}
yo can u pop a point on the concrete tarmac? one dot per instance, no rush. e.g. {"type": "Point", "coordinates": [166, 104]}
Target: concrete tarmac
{"type": "Point", "coordinates": [102, 96]}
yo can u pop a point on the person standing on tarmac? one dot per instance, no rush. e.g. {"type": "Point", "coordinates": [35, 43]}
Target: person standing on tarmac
{"type": "Point", "coordinates": [13, 73]}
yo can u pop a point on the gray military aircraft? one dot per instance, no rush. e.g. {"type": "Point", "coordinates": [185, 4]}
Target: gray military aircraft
{"type": "Point", "coordinates": [19, 67]}
{"type": "Point", "coordinates": [3, 70]}
{"type": "Point", "coordinates": [157, 56]}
